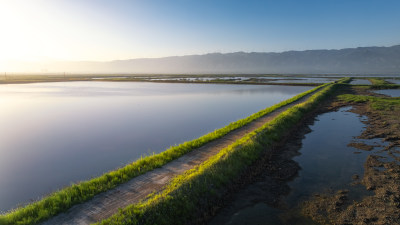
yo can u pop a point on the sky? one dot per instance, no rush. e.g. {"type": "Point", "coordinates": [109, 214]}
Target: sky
{"type": "Point", "coordinates": [100, 30]}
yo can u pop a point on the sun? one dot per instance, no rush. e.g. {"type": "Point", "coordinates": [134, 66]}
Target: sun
{"type": "Point", "coordinates": [29, 34]}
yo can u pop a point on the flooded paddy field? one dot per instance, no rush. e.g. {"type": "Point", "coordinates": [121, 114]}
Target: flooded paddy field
{"type": "Point", "coordinates": [54, 134]}
{"type": "Point", "coordinates": [259, 79]}
{"type": "Point", "coordinates": [360, 82]}
{"type": "Point", "coordinates": [389, 92]}
{"type": "Point", "coordinates": [319, 80]}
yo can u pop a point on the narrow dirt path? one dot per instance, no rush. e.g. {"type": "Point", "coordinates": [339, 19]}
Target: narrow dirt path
{"type": "Point", "coordinates": [106, 204]}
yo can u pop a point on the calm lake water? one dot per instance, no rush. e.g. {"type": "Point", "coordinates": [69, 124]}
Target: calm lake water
{"type": "Point", "coordinates": [53, 134]}
{"type": "Point", "coordinates": [326, 163]}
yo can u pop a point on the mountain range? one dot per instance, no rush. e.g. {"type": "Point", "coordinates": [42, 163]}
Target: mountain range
{"type": "Point", "coordinates": [362, 60]}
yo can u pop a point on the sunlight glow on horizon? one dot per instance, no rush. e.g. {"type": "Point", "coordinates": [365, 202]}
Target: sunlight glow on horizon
{"type": "Point", "coordinates": [34, 33]}
{"type": "Point", "coordinates": [42, 31]}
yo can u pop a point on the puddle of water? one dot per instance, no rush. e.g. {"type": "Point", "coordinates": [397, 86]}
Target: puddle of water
{"type": "Point", "coordinates": [389, 92]}
{"type": "Point", "coordinates": [326, 162]}
{"type": "Point", "coordinates": [360, 81]}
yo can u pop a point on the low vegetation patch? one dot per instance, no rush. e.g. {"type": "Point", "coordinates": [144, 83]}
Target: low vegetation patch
{"type": "Point", "coordinates": [380, 83]}
{"type": "Point", "coordinates": [376, 103]}
{"type": "Point", "coordinates": [197, 189]}
{"type": "Point", "coordinates": [64, 199]}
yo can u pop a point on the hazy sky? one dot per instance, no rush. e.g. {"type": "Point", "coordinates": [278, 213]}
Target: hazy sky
{"type": "Point", "coordinates": [122, 29]}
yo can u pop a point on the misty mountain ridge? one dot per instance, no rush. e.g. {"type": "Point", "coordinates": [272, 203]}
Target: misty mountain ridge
{"type": "Point", "coordinates": [362, 60]}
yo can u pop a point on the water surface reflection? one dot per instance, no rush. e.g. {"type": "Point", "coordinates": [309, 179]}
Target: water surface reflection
{"type": "Point", "coordinates": [53, 134]}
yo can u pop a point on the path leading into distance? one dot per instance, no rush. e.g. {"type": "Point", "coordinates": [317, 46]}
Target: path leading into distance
{"type": "Point", "coordinates": [107, 203]}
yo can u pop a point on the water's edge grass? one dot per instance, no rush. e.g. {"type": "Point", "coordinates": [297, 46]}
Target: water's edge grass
{"type": "Point", "coordinates": [380, 83]}
{"type": "Point", "coordinates": [376, 103]}
{"type": "Point", "coordinates": [199, 187]}
{"type": "Point", "coordinates": [62, 200]}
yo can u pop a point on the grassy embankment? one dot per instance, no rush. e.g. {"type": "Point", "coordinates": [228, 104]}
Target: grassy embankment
{"type": "Point", "coordinates": [199, 188]}
{"type": "Point", "coordinates": [64, 199]}
{"type": "Point", "coordinates": [378, 104]}
{"type": "Point", "coordinates": [374, 103]}
{"type": "Point", "coordinates": [380, 83]}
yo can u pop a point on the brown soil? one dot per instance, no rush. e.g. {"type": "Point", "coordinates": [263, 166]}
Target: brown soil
{"type": "Point", "coordinates": [361, 146]}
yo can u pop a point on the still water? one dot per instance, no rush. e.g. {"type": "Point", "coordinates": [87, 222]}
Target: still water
{"type": "Point", "coordinates": [360, 82]}
{"type": "Point", "coordinates": [306, 80]}
{"type": "Point", "coordinates": [277, 79]}
{"type": "Point", "coordinates": [394, 81]}
{"type": "Point", "coordinates": [325, 163]}
{"type": "Point", "coordinates": [53, 134]}
{"type": "Point", "coordinates": [389, 92]}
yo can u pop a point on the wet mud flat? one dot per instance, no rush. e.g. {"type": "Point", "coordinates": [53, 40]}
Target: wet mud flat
{"type": "Point", "coordinates": [381, 172]}
{"type": "Point", "coordinates": [360, 186]}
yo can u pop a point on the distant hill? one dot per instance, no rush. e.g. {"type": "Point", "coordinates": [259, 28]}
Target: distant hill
{"type": "Point", "coordinates": [363, 60]}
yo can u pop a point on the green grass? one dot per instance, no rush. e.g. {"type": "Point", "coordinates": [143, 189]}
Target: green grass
{"type": "Point", "coordinates": [376, 103]}
{"type": "Point", "coordinates": [199, 187]}
{"type": "Point", "coordinates": [378, 81]}
{"type": "Point", "coordinates": [64, 199]}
